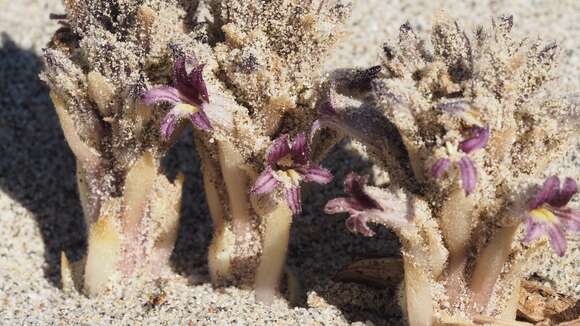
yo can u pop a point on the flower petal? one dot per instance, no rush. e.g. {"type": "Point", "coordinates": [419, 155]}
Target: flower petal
{"type": "Point", "coordinates": [200, 120]}
{"type": "Point", "coordinates": [327, 116]}
{"type": "Point", "coordinates": [478, 140]}
{"type": "Point", "coordinates": [169, 123]}
{"type": "Point", "coordinates": [549, 191]}
{"type": "Point", "coordinates": [357, 223]}
{"type": "Point", "coordinates": [468, 174]}
{"type": "Point", "coordinates": [534, 230]}
{"type": "Point", "coordinates": [299, 149]}
{"type": "Point", "coordinates": [315, 174]}
{"type": "Point", "coordinates": [440, 167]}
{"type": "Point", "coordinates": [278, 150]}
{"type": "Point", "coordinates": [453, 107]}
{"type": "Point", "coordinates": [294, 200]}
{"type": "Point", "coordinates": [339, 205]}
{"type": "Point", "coordinates": [462, 109]}
{"type": "Point", "coordinates": [265, 183]}
{"type": "Point", "coordinates": [569, 217]}
{"type": "Point", "coordinates": [316, 126]}
{"type": "Point", "coordinates": [165, 94]}
{"type": "Point", "coordinates": [196, 80]}
{"type": "Point", "coordinates": [557, 239]}
{"type": "Point", "coordinates": [180, 79]}
{"type": "Point", "coordinates": [354, 184]}
{"type": "Point", "coordinates": [569, 189]}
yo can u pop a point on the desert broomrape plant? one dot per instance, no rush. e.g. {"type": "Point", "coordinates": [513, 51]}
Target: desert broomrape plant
{"type": "Point", "coordinates": [99, 68]}
{"type": "Point", "coordinates": [488, 105]}
{"type": "Point", "coordinates": [126, 76]}
{"type": "Point", "coordinates": [269, 56]}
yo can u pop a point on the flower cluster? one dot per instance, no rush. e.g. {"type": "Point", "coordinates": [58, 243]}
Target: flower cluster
{"type": "Point", "coordinates": [188, 96]}
{"type": "Point", "coordinates": [289, 165]}
{"type": "Point", "coordinates": [548, 213]}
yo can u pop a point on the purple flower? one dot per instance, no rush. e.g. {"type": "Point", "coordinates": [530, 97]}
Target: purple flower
{"type": "Point", "coordinates": [289, 165]}
{"type": "Point", "coordinates": [466, 166]}
{"type": "Point", "coordinates": [188, 95]}
{"type": "Point", "coordinates": [368, 204]}
{"type": "Point", "coordinates": [549, 215]}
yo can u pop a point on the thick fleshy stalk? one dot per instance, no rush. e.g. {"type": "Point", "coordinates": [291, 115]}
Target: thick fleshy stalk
{"type": "Point", "coordinates": [489, 265]}
{"type": "Point", "coordinates": [251, 236]}
{"type": "Point", "coordinates": [130, 234]}
{"type": "Point", "coordinates": [124, 239]}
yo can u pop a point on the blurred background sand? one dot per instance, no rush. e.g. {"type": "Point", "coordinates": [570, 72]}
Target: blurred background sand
{"type": "Point", "coordinates": [40, 215]}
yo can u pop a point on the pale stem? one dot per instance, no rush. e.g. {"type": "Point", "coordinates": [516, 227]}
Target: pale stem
{"type": "Point", "coordinates": [83, 152]}
{"type": "Point", "coordinates": [489, 265]}
{"type": "Point", "coordinates": [164, 210]}
{"type": "Point", "coordinates": [89, 204]}
{"type": "Point", "coordinates": [136, 195]}
{"type": "Point", "coordinates": [418, 295]}
{"type": "Point", "coordinates": [220, 251]}
{"type": "Point", "coordinates": [104, 249]}
{"type": "Point", "coordinates": [276, 237]}
{"type": "Point", "coordinates": [227, 183]}
{"type": "Point", "coordinates": [456, 224]}
{"type": "Point", "coordinates": [437, 250]}
{"type": "Point", "coordinates": [236, 180]}
{"type": "Point", "coordinates": [416, 260]}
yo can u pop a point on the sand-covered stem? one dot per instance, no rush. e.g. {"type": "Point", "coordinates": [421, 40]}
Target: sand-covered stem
{"type": "Point", "coordinates": [131, 231]}
{"type": "Point", "coordinates": [134, 233]}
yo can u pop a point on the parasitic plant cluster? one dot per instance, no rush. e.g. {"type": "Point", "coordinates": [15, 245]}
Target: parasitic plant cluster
{"type": "Point", "coordinates": [465, 127]}
{"type": "Point", "coordinates": [478, 122]}
{"type": "Point", "coordinates": [127, 76]}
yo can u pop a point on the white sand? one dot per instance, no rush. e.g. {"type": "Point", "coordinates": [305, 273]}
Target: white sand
{"type": "Point", "coordinates": [40, 213]}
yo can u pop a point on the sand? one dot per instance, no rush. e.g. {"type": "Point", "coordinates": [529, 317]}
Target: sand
{"type": "Point", "coordinates": [40, 215]}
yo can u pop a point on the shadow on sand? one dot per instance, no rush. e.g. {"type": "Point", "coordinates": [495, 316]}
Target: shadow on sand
{"type": "Point", "coordinates": [321, 247]}
{"type": "Point", "coordinates": [37, 168]}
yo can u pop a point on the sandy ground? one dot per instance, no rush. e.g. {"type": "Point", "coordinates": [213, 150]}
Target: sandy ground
{"type": "Point", "coordinates": [40, 215]}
